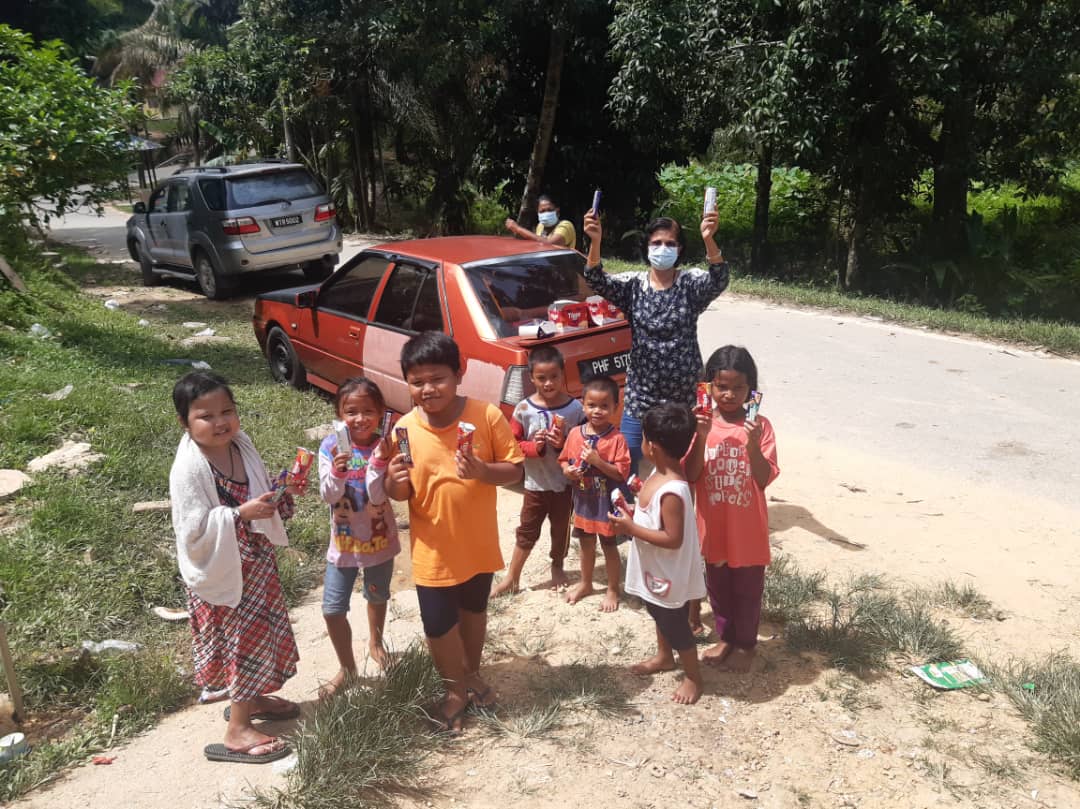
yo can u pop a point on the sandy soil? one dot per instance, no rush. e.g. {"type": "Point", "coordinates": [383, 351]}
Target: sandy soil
{"type": "Point", "coordinates": [791, 734]}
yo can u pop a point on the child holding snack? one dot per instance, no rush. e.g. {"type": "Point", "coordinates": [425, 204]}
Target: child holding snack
{"type": "Point", "coordinates": [732, 460]}
{"type": "Point", "coordinates": [454, 529]}
{"type": "Point", "coordinates": [596, 460]}
{"type": "Point", "coordinates": [363, 531]}
{"type": "Point", "coordinates": [227, 523]}
{"type": "Point", "coordinates": [664, 566]}
{"type": "Point", "coordinates": [540, 425]}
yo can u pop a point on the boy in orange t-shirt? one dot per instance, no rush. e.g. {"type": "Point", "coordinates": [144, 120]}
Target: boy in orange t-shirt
{"type": "Point", "coordinates": [452, 520]}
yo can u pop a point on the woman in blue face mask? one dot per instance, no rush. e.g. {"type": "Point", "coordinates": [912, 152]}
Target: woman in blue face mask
{"type": "Point", "coordinates": [662, 306]}
{"type": "Point", "coordinates": [550, 230]}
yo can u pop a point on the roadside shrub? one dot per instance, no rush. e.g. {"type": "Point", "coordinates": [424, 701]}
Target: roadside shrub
{"type": "Point", "coordinates": [487, 210]}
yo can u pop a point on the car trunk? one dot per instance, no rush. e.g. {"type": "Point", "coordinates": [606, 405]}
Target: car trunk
{"type": "Point", "coordinates": [284, 204]}
{"type": "Point", "coordinates": [596, 351]}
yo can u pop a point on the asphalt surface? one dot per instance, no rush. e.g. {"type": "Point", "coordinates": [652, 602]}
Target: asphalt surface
{"type": "Point", "coordinates": [978, 412]}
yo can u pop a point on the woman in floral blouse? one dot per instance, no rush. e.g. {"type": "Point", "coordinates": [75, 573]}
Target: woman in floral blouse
{"type": "Point", "coordinates": [662, 306]}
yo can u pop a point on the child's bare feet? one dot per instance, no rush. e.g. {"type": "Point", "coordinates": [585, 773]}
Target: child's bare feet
{"type": "Point", "coordinates": [481, 695]}
{"type": "Point", "coordinates": [654, 664]}
{"type": "Point", "coordinates": [379, 655]}
{"type": "Point", "coordinates": [610, 602]}
{"type": "Point", "coordinates": [450, 714]}
{"type": "Point", "coordinates": [575, 594]}
{"type": "Point", "coordinates": [739, 660]}
{"type": "Point", "coordinates": [504, 587]}
{"type": "Point", "coordinates": [687, 693]}
{"type": "Point", "coordinates": [328, 689]}
{"type": "Point", "coordinates": [715, 655]}
{"type": "Point", "coordinates": [558, 577]}
{"type": "Point", "coordinates": [699, 630]}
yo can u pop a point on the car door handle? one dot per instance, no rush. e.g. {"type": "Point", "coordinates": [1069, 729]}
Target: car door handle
{"type": "Point", "coordinates": [354, 333]}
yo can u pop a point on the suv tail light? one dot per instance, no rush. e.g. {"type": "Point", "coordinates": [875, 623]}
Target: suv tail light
{"type": "Point", "coordinates": [324, 212]}
{"type": "Point", "coordinates": [517, 384]}
{"type": "Point", "coordinates": [239, 226]}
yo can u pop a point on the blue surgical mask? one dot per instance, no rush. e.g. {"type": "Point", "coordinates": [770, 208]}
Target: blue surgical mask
{"type": "Point", "coordinates": [548, 218]}
{"type": "Point", "coordinates": [663, 257]}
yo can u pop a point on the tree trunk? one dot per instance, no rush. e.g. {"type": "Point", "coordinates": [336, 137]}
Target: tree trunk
{"type": "Point", "coordinates": [359, 175]}
{"type": "Point", "coordinates": [290, 142]}
{"type": "Point", "coordinates": [854, 271]}
{"type": "Point", "coordinates": [546, 125]}
{"type": "Point", "coordinates": [948, 235]}
{"type": "Point", "coordinates": [759, 239]}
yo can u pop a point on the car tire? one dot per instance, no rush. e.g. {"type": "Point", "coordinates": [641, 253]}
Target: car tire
{"type": "Point", "coordinates": [316, 271]}
{"type": "Point", "coordinates": [146, 266]}
{"type": "Point", "coordinates": [285, 366]}
{"type": "Point", "coordinates": [208, 278]}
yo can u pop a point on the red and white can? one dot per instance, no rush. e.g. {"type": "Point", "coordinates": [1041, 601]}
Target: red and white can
{"type": "Point", "coordinates": [619, 506]}
{"type": "Point", "coordinates": [704, 400]}
{"type": "Point", "coordinates": [401, 436]}
{"type": "Point", "coordinates": [634, 484]}
{"type": "Point", "coordinates": [465, 433]}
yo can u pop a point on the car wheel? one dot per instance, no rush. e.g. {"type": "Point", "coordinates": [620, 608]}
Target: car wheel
{"type": "Point", "coordinates": [316, 271]}
{"type": "Point", "coordinates": [285, 366]}
{"type": "Point", "coordinates": [209, 278]}
{"type": "Point", "coordinates": [146, 266]}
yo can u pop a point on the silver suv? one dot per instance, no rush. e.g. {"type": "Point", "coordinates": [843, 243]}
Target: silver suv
{"type": "Point", "coordinates": [212, 223]}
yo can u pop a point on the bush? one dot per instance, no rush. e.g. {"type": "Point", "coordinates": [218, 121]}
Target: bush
{"type": "Point", "coordinates": [487, 211]}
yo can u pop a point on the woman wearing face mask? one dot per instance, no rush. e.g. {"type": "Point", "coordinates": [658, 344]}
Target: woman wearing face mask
{"type": "Point", "coordinates": [662, 306]}
{"type": "Point", "coordinates": [551, 230]}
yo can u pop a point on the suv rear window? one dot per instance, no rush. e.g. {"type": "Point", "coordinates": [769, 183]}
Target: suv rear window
{"type": "Point", "coordinates": [521, 288]}
{"type": "Point", "coordinates": [251, 190]}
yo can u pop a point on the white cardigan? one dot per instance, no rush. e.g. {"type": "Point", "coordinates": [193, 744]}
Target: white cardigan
{"type": "Point", "coordinates": [206, 546]}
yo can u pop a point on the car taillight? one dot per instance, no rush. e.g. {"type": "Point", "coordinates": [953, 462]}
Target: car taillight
{"type": "Point", "coordinates": [517, 384]}
{"type": "Point", "coordinates": [239, 226]}
{"type": "Point", "coordinates": [324, 212]}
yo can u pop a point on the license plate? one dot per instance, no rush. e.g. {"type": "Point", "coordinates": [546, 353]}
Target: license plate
{"type": "Point", "coordinates": [612, 364]}
{"type": "Point", "coordinates": [282, 221]}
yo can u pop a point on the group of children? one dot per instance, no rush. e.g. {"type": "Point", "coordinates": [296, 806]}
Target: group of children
{"type": "Point", "coordinates": [699, 526]}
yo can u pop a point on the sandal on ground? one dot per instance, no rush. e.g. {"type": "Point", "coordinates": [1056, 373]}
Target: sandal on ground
{"type": "Point", "coordinates": [288, 710]}
{"type": "Point", "coordinates": [275, 749]}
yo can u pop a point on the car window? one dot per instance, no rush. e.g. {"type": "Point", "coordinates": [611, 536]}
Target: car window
{"type": "Point", "coordinates": [213, 192]}
{"type": "Point", "coordinates": [157, 201]}
{"type": "Point", "coordinates": [354, 287]}
{"type": "Point", "coordinates": [179, 198]}
{"type": "Point", "coordinates": [251, 190]}
{"type": "Point", "coordinates": [521, 288]}
{"type": "Point", "coordinates": [410, 300]}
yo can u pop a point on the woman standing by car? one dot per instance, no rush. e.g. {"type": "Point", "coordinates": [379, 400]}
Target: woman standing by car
{"type": "Point", "coordinates": [662, 306]}
{"type": "Point", "coordinates": [551, 229]}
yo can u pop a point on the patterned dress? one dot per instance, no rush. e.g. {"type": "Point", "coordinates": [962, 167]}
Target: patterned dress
{"type": "Point", "coordinates": [665, 360]}
{"type": "Point", "coordinates": [248, 649]}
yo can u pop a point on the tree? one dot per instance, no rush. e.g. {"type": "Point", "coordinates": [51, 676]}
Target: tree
{"type": "Point", "coordinates": [64, 139]}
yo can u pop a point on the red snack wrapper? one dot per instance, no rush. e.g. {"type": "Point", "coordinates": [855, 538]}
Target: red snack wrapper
{"type": "Point", "coordinates": [704, 400]}
{"type": "Point", "coordinates": [401, 435]}
{"type": "Point", "coordinates": [387, 422]}
{"type": "Point", "coordinates": [300, 467]}
{"type": "Point", "coordinates": [619, 506]}
{"type": "Point", "coordinates": [465, 433]}
{"type": "Point", "coordinates": [602, 311]}
{"type": "Point", "coordinates": [569, 315]}
{"type": "Point", "coordinates": [634, 484]}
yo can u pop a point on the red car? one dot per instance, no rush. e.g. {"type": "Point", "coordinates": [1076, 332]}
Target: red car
{"type": "Point", "coordinates": [485, 291]}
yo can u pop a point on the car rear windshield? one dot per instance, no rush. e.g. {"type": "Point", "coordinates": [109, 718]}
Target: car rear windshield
{"type": "Point", "coordinates": [515, 290]}
{"type": "Point", "coordinates": [252, 190]}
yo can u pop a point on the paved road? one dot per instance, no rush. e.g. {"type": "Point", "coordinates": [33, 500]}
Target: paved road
{"type": "Point", "coordinates": [979, 412]}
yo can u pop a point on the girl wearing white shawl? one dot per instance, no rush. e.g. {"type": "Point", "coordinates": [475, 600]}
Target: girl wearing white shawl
{"type": "Point", "coordinates": [226, 524]}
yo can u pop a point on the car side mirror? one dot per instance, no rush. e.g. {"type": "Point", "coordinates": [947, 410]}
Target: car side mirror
{"type": "Point", "coordinates": [138, 207]}
{"type": "Point", "coordinates": [305, 299]}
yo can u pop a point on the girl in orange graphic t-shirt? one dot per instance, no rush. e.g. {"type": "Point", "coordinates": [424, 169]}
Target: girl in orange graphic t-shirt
{"type": "Point", "coordinates": [732, 460]}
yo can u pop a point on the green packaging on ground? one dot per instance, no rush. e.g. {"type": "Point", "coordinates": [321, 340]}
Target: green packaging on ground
{"type": "Point", "coordinates": [950, 675]}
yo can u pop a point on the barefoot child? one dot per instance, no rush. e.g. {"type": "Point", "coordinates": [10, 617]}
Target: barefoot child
{"type": "Point", "coordinates": [363, 531]}
{"type": "Point", "coordinates": [547, 491]}
{"type": "Point", "coordinates": [731, 462]}
{"type": "Point", "coordinates": [454, 528]}
{"type": "Point", "coordinates": [664, 566]}
{"type": "Point", "coordinates": [226, 527]}
{"type": "Point", "coordinates": [600, 446]}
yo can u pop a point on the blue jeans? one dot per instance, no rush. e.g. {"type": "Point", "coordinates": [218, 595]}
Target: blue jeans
{"type": "Point", "coordinates": [631, 430]}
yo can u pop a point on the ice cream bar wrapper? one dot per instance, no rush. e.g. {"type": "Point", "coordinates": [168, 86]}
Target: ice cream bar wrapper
{"type": "Point", "coordinates": [545, 418]}
{"type": "Point", "coordinates": [465, 433]}
{"type": "Point", "coordinates": [279, 486]}
{"type": "Point", "coordinates": [344, 440]}
{"type": "Point", "coordinates": [301, 465]}
{"type": "Point", "coordinates": [618, 503]}
{"type": "Point", "coordinates": [710, 199]}
{"type": "Point", "coordinates": [586, 448]}
{"type": "Point", "coordinates": [634, 484]}
{"type": "Point", "coordinates": [596, 201]}
{"type": "Point", "coordinates": [602, 311]}
{"type": "Point", "coordinates": [754, 406]}
{"type": "Point", "coordinates": [704, 401]}
{"type": "Point", "coordinates": [569, 315]}
{"type": "Point", "coordinates": [401, 435]}
{"type": "Point", "coordinates": [536, 329]}
{"type": "Point", "coordinates": [387, 421]}
{"type": "Point", "coordinates": [558, 422]}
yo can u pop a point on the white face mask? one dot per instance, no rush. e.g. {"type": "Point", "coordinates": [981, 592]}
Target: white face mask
{"type": "Point", "coordinates": [663, 257]}
{"type": "Point", "coordinates": [548, 218]}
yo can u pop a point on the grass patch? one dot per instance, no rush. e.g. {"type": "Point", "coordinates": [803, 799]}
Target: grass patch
{"type": "Point", "coordinates": [365, 745]}
{"type": "Point", "coordinates": [789, 592]}
{"type": "Point", "coordinates": [965, 598]}
{"type": "Point", "coordinates": [1047, 694]}
{"type": "Point", "coordinates": [1057, 336]}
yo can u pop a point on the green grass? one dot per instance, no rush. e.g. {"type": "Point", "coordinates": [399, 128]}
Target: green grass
{"type": "Point", "coordinates": [79, 565]}
{"type": "Point", "coordinates": [1059, 337]}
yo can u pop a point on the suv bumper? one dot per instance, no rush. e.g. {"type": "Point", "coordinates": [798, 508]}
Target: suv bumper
{"type": "Point", "coordinates": [234, 258]}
